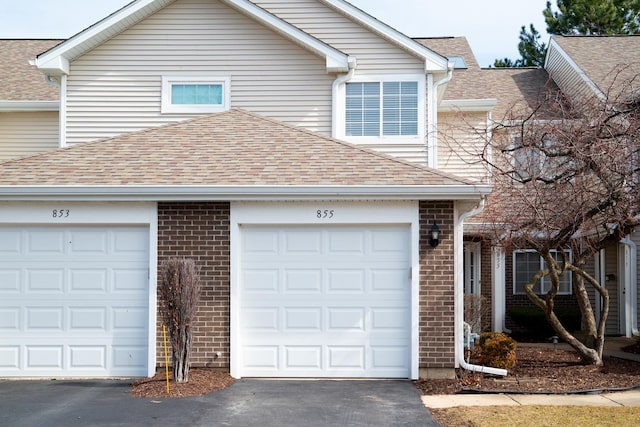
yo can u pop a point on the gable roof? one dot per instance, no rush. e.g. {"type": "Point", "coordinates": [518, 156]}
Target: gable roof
{"type": "Point", "coordinates": [23, 86]}
{"type": "Point", "coordinates": [56, 61]}
{"type": "Point", "coordinates": [228, 154]}
{"type": "Point", "coordinates": [451, 46]}
{"type": "Point", "coordinates": [601, 61]}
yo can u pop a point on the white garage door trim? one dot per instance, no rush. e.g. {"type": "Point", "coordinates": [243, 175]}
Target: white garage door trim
{"type": "Point", "coordinates": [70, 214]}
{"type": "Point", "coordinates": [321, 213]}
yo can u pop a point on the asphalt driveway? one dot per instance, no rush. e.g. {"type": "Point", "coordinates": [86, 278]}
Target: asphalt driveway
{"type": "Point", "coordinates": [245, 403]}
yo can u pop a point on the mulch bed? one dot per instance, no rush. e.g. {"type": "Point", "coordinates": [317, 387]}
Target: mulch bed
{"type": "Point", "coordinates": [538, 370]}
{"type": "Point", "coordinates": [543, 370]}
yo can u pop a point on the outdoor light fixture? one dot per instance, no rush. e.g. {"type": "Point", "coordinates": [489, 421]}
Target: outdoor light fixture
{"type": "Point", "coordinates": [435, 235]}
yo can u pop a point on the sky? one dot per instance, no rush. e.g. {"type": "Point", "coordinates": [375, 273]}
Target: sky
{"type": "Point", "coordinates": [491, 26]}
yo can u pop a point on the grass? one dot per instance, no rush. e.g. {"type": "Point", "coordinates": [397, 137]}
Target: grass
{"type": "Point", "coordinates": [537, 416]}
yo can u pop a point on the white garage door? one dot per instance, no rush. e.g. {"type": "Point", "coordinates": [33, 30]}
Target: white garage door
{"type": "Point", "coordinates": [325, 301]}
{"type": "Point", "coordinates": [73, 301]}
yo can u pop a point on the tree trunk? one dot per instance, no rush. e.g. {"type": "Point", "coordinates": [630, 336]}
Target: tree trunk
{"type": "Point", "coordinates": [590, 351]}
{"type": "Point", "coordinates": [181, 352]}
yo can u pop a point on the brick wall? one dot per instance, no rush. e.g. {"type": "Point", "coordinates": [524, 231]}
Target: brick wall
{"type": "Point", "coordinates": [486, 284]}
{"type": "Point", "coordinates": [200, 230]}
{"type": "Point", "coordinates": [436, 324]}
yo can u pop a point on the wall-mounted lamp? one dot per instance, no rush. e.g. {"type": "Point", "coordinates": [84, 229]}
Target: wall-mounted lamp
{"type": "Point", "coordinates": [435, 235]}
{"type": "Point", "coordinates": [609, 277]}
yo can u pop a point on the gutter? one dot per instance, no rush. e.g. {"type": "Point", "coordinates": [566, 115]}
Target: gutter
{"type": "Point", "coordinates": [238, 193]}
{"type": "Point", "coordinates": [336, 87]}
{"type": "Point", "coordinates": [459, 321]}
{"type": "Point", "coordinates": [432, 115]}
{"type": "Point", "coordinates": [34, 106]}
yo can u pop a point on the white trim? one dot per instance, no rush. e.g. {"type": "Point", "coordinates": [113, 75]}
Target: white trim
{"type": "Point", "coordinates": [341, 107]}
{"type": "Point", "coordinates": [99, 213]}
{"type": "Point", "coordinates": [28, 106]}
{"type": "Point", "coordinates": [304, 213]}
{"type": "Point", "coordinates": [56, 61]}
{"type": "Point", "coordinates": [498, 276]}
{"type": "Point", "coordinates": [433, 60]}
{"type": "Point", "coordinates": [471, 105]}
{"type": "Point", "coordinates": [472, 253]}
{"type": "Point", "coordinates": [167, 107]}
{"type": "Point", "coordinates": [236, 193]}
{"type": "Point", "coordinates": [554, 45]}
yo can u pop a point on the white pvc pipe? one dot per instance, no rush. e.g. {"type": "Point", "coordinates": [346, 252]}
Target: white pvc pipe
{"type": "Point", "coordinates": [459, 321]}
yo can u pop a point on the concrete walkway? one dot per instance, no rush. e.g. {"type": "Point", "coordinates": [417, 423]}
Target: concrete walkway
{"type": "Point", "coordinates": [623, 398]}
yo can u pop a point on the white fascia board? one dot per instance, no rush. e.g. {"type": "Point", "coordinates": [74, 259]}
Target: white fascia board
{"type": "Point", "coordinates": [337, 62]}
{"type": "Point", "coordinates": [56, 60]}
{"type": "Point", "coordinates": [252, 193]}
{"type": "Point", "coordinates": [553, 45]}
{"type": "Point", "coordinates": [467, 105]}
{"type": "Point", "coordinates": [29, 106]}
{"type": "Point", "coordinates": [434, 62]}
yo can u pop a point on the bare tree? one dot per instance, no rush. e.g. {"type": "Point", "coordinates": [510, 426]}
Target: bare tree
{"type": "Point", "coordinates": [179, 291]}
{"type": "Point", "coordinates": [565, 177]}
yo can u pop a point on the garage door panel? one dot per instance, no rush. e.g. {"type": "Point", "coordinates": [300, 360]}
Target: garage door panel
{"type": "Point", "coordinates": [333, 306]}
{"type": "Point", "coordinates": [70, 310]}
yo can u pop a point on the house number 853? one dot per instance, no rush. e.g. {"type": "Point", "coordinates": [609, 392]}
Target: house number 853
{"type": "Point", "coordinates": [60, 213]}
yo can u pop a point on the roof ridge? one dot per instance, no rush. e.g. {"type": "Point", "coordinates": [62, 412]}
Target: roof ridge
{"type": "Point", "coordinates": [359, 148]}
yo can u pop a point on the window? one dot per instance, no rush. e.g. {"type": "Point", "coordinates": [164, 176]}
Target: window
{"type": "Point", "coordinates": [195, 94]}
{"type": "Point", "coordinates": [388, 108]}
{"type": "Point", "coordinates": [458, 61]}
{"type": "Point", "coordinates": [526, 263]}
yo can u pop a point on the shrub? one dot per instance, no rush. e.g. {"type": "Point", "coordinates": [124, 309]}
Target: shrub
{"type": "Point", "coordinates": [497, 350]}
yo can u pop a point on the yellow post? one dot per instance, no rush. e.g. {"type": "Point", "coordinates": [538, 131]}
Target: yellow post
{"type": "Point", "coordinates": [166, 359]}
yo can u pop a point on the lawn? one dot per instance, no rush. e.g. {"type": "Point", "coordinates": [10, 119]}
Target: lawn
{"type": "Point", "coordinates": [537, 416]}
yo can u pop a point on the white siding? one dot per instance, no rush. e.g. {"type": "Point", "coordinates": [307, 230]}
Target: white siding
{"type": "Point", "coordinates": [27, 133]}
{"type": "Point", "coordinates": [116, 88]}
{"type": "Point", "coordinates": [459, 148]}
{"type": "Point", "coordinates": [374, 53]}
{"type": "Point", "coordinates": [566, 77]}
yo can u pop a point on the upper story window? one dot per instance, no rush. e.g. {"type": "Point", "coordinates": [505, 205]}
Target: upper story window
{"type": "Point", "coordinates": [383, 109]}
{"type": "Point", "coordinates": [458, 61]}
{"type": "Point", "coordinates": [526, 263]}
{"type": "Point", "coordinates": [189, 94]}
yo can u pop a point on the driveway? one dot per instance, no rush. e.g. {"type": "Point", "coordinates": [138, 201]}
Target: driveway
{"type": "Point", "coordinates": [245, 403]}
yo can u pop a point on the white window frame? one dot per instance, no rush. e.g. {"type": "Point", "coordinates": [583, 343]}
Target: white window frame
{"type": "Point", "coordinates": [341, 123]}
{"type": "Point", "coordinates": [541, 267]}
{"type": "Point", "coordinates": [167, 84]}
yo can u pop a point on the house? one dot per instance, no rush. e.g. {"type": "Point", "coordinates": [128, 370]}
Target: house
{"type": "Point", "coordinates": [575, 66]}
{"type": "Point", "coordinates": [290, 151]}
{"type": "Point", "coordinates": [28, 105]}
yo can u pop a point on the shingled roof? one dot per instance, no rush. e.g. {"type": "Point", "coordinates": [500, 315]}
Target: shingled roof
{"type": "Point", "coordinates": [604, 59]}
{"type": "Point", "coordinates": [234, 148]}
{"type": "Point", "coordinates": [21, 81]}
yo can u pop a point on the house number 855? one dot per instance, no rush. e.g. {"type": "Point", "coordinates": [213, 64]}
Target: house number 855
{"type": "Point", "coordinates": [325, 214]}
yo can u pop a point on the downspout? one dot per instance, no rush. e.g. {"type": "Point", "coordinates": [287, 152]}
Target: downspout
{"type": "Point", "coordinates": [432, 115]}
{"type": "Point", "coordinates": [336, 111]}
{"type": "Point", "coordinates": [631, 282]}
{"type": "Point", "coordinates": [459, 321]}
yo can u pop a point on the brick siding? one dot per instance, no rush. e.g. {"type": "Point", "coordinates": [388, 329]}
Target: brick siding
{"type": "Point", "coordinates": [436, 323]}
{"type": "Point", "coordinates": [200, 230]}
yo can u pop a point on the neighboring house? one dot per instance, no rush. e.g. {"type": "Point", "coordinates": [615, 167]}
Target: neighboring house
{"type": "Point", "coordinates": [576, 66]}
{"type": "Point", "coordinates": [582, 65]}
{"type": "Point", "coordinates": [28, 105]}
{"type": "Point", "coordinates": [289, 147]}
